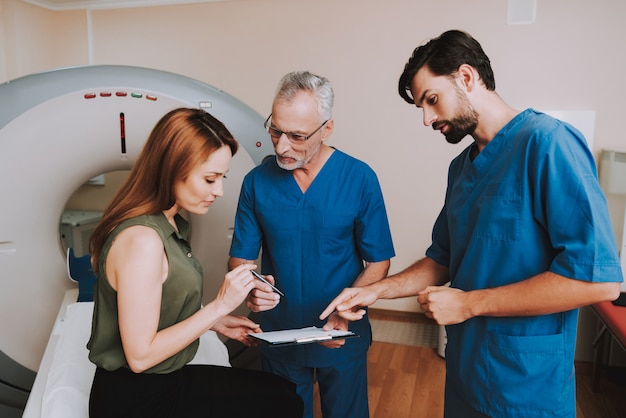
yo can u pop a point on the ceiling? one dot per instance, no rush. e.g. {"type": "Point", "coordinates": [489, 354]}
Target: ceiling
{"type": "Point", "coordinates": [107, 4]}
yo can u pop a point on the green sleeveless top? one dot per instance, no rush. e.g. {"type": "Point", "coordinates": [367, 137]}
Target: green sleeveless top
{"type": "Point", "coordinates": [181, 296]}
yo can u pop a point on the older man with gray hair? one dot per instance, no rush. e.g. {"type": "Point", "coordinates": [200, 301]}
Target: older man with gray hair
{"type": "Point", "coordinates": [320, 218]}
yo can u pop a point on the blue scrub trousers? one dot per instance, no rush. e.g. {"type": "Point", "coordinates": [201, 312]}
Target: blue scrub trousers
{"type": "Point", "coordinates": [343, 387]}
{"type": "Point", "coordinates": [455, 407]}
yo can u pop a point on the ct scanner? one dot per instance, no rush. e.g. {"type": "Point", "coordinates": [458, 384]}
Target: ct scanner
{"type": "Point", "coordinates": [57, 130]}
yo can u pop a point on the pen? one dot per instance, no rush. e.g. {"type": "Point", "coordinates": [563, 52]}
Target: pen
{"type": "Point", "coordinates": [261, 278]}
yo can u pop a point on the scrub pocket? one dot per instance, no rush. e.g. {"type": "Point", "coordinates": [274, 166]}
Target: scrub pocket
{"type": "Point", "coordinates": [526, 375]}
{"type": "Point", "coordinates": [499, 212]}
{"type": "Point", "coordinates": [286, 232]}
{"type": "Point", "coordinates": [337, 231]}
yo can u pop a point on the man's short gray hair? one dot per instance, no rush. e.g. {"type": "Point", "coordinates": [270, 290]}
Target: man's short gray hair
{"type": "Point", "coordinates": [297, 81]}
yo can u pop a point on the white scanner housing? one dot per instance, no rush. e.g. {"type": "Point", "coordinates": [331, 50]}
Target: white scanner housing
{"type": "Point", "coordinates": [59, 129]}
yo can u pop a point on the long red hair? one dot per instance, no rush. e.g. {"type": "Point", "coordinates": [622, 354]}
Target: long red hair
{"type": "Point", "coordinates": [181, 140]}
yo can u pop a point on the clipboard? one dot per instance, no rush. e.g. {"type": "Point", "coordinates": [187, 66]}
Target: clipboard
{"type": "Point", "coordinates": [300, 336]}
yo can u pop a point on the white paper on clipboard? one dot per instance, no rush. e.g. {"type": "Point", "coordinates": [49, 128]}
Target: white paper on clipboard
{"type": "Point", "coordinates": [301, 336]}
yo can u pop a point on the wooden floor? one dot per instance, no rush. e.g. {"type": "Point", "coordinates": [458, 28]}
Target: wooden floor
{"type": "Point", "coordinates": [609, 401]}
{"type": "Point", "coordinates": [408, 381]}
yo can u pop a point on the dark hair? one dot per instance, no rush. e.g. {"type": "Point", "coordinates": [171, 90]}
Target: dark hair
{"type": "Point", "coordinates": [181, 140]}
{"type": "Point", "coordinates": [443, 56]}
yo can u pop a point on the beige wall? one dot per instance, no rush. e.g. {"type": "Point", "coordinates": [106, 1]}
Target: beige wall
{"type": "Point", "coordinates": [571, 59]}
{"type": "Point", "coordinates": [34, 39]}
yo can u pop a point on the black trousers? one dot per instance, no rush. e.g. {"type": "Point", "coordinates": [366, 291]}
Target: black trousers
{"type": "Point", "coordinates": [193, 391]}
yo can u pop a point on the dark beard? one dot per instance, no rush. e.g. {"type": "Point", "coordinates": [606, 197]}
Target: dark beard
{"type": "Point", "coordinates": [460, 127]}
{"type": "Point", "coordinates": [464, 123]}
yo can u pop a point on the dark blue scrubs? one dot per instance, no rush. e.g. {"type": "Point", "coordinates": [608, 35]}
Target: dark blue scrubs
{"type": "Point", "coordinates": [314, 244]}
{"type": "Point", "coordinates": [530, 202]}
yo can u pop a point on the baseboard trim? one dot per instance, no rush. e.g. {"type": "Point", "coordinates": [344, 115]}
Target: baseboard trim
{"type": "Point", "coordinates": [392, 315]}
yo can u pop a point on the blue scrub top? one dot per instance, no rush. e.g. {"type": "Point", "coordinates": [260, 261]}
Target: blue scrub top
{"type": "Point", "coordinates": [530, 202]}
{"type": "Point", "coordinates": [314, 244]}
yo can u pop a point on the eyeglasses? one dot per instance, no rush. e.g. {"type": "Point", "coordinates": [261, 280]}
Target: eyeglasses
{"type": "Point", "coordinates": [293, 137]}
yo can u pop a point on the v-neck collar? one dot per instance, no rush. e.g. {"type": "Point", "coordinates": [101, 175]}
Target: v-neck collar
{"type": "Point", "coordinates": [320, 173]}
{"type": "Point", "coordinates": [499, 142]}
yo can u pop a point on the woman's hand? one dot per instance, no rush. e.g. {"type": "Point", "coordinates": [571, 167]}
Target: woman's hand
{"type": "Point", "coordinates": [237, 284]}
{"type": "Point", "coordinates": [237, 328]}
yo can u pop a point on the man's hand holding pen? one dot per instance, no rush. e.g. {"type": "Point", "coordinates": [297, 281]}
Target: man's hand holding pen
{"type": "Point", "coordinates": [263, 297]}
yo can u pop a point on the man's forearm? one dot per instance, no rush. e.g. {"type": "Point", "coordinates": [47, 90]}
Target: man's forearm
{"type": "Point", "coordinates": [413, 279]}
{"type": "Point", "coordinates": [543, 294]}
{"type": "Point", "coordinates": [234, 262]}
{"type": "Point", "coordinates": [372, 273]}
